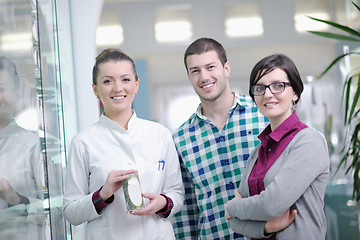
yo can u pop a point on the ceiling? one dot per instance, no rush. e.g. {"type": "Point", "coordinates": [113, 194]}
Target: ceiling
{"type": "Point", "coordinates": [138, 19]}
{"type": "Point", "coordinates": [207, 17]}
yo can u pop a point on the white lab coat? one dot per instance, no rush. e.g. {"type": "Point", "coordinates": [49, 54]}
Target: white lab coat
{"type": "Point", "coordinates": [146, 146]}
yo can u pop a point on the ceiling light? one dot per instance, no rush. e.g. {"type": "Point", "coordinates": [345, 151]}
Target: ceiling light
{"type": "Point", "coordinates": [303, 23]}
{"type": "Point", "coordinates": [173, 31]}
{"type": "Point", "coordinates": [109, 35]}
{"type": "Point", "coordinates": [244, 27]}
{"type": "Point", "coordinates": [16, 41]}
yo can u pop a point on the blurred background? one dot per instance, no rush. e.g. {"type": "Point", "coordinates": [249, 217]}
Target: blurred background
{"type": "Point", "coordinates": [53, 44]}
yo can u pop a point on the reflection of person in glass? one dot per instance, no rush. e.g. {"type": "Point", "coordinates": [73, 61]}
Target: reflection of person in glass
{"type": "Point", "coordinates": [102, 156]}
{"type": "Point", "coordinates": [21, 169]}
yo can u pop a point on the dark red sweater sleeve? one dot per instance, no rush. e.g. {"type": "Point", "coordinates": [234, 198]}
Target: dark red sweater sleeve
{"type": "Point", "coordinates": [99, 203]}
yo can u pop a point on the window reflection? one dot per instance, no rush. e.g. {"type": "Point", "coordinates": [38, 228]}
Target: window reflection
{"type": "Point", "coordinates": [22, 182]}
{"type": "Point", "coordinates": [22, 161]}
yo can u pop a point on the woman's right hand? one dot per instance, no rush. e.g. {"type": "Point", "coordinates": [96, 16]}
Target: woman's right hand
{"type": "Point", "coordinates": [237, 196]}
{"type": "Point", "coordinates": [114, 182]}
{"type": "Point", "coordinates": [281, 222]}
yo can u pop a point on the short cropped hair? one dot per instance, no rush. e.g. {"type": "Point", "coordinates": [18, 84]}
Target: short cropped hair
{"type": "Point", "coordinates": [203, 45]}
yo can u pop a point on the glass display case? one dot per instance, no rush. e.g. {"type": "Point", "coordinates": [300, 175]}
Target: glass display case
{"type": "Point", "coordinates": [32, 142]}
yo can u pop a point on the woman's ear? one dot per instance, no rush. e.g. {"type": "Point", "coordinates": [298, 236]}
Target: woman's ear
{"type": "Point", "coordinates": [95, 91]}
{"type": "Point", "coordinates": [295, 98]}
{"type": "Point", "coordinates": [137, 85]}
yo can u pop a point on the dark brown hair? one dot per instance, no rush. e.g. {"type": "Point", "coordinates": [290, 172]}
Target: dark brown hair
{"type": "Point", "coordinates": [203, 45]}
{"type": "Point", "coordinates": [269, 63]}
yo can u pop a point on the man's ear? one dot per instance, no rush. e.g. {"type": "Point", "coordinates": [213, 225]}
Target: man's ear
{"type": "Point", "coordinates": [227, 69]}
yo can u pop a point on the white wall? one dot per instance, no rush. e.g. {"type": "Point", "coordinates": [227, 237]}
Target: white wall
{"type": "Point", "coordinates": [84, 19]}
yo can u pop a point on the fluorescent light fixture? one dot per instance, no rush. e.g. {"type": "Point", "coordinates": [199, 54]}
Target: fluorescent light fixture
{"type": "Point", "coordinates": [303, 23]}
{"type": "Point", "coordinates": [244, 27]}
{"type": "Point", "coordinates": [109, 35]}
{"type": "Point", "coordinates": [173, 31]}
{"type": "Point", "coordinates": [16, 41]}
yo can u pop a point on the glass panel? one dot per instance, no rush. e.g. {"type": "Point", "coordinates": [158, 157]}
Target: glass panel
{"type": "Point", "coordinates": [23, 187]}
{"type": "Point", "coordinates": [31, 122]}
{"type": "Point", "coordinates": [50, 98]}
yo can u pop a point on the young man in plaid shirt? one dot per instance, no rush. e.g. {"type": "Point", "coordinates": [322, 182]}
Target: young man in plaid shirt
{"type": "Point", "coordinates": [213, 144]}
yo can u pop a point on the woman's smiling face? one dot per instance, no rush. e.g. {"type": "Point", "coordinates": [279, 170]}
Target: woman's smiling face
{"type": "Point", "coordinates": [116, 86]}
{"type": "Point", "coordinates": [276, 107]}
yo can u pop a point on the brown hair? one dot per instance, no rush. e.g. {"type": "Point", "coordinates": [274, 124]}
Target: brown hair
{"type": "Point", "coordinates": [269, 63]}
{"type": "Point", "coordinates": [203, 45]}
{"type": "Point", "coordinates": [111, 54]}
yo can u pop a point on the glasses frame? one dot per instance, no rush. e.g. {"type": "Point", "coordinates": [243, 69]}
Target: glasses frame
{"type": "Point", "coordinates": [268, 86]}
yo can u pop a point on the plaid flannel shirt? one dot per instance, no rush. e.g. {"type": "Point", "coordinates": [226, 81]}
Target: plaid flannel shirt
{"type": "Point", "coordinates": [211, 164]}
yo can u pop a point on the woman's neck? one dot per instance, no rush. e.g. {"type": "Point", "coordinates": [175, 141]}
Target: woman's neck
{"type": "Point", "coordinates": [122, 119]}
{"type": "Point", "coordinates": [274, 123]}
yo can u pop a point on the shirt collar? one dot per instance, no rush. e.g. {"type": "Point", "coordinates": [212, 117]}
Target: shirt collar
{"type": "Point", "coordinates": [239, 101]}
{"type": "Point", "coordinates": [9, 129]}
{"type": "Point", "coordinates": [284, 128]}
{"type": "Point", "coordinates": [113, 125]}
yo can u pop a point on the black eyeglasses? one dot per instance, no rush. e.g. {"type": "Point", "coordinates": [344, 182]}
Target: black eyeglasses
{"type": "Point", "coordinates": [278, 87]}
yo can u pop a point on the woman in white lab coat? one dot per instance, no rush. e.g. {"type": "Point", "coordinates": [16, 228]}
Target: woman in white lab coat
{"type": "Point", "coordinates": [119, 144]}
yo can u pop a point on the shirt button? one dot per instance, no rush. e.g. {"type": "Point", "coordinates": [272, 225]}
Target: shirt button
{"type": "Point", "coordinates": [249, 132]}
{"type": "Point", "coordinates": [269, 150]}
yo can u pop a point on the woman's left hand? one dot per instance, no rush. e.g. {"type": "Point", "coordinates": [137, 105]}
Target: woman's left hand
{"type": "Point", "coordinates": [157, 202]}
{"type": "Point", "coordinates": [237, 196]}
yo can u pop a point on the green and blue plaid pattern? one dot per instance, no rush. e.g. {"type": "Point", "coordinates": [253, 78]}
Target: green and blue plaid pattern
{"type": "Point", "coordinates": [211, 163]}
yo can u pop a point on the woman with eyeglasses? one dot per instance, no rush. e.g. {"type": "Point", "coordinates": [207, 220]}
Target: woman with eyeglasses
{"type": "Point", "coordinates": [286, 175]}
